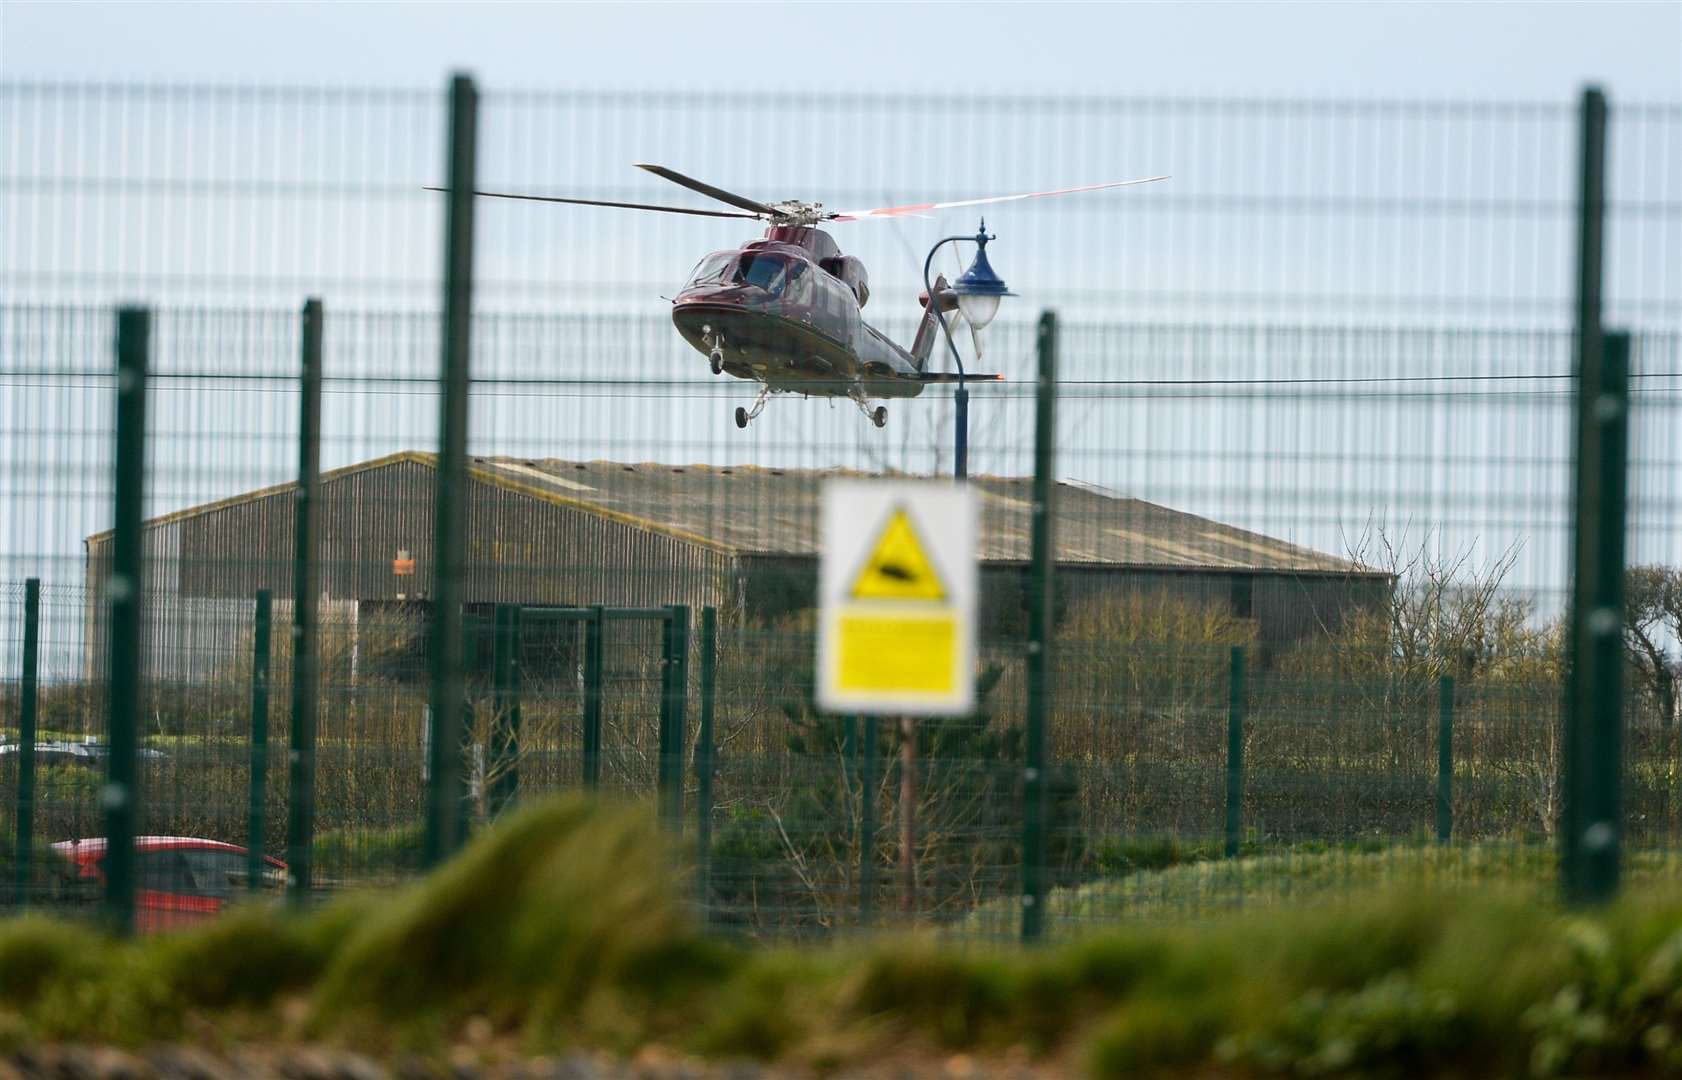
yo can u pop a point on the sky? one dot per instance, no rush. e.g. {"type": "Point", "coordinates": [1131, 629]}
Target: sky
{"type": "Point", "coordinates": [1506, 50]}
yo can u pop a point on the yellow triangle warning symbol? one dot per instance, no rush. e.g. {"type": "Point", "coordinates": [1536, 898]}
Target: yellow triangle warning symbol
{"type": "Point", "coordinates": [899, 567]}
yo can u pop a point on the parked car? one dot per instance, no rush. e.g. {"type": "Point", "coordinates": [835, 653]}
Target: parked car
{"type": "Point", "coordinates": [88, 754]}
{"type": "Point", "coordinates": [179, 880]}
{"type": "Point", "coordinates": [57, 753]}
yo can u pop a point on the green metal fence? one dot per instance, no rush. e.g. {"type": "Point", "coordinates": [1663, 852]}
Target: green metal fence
{"type": "Point", "coordinates": [1328, 541]}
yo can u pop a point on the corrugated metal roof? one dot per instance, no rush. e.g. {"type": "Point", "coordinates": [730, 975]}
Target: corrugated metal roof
{"type": "Point", "coordinates": [752, 510]}
{"type": "Point", "coordinates": [755, 510]}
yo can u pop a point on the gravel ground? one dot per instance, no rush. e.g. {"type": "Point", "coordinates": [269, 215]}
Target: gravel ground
{"type": "Point", "coordinates": [315, 1063]}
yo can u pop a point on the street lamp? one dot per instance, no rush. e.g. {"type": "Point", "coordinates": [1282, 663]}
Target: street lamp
{"type": "Point", "coordinates": [979, 291]}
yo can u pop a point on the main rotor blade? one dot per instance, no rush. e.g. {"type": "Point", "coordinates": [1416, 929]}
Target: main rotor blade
{"type": "Point", "coordinates": [600, 202]}
{"type": "Point", "coordinates": [901, 211]}
{"type": "Point", "coordinates": [708, 190]}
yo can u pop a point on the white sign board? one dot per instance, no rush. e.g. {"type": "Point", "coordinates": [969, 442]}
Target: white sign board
{"type": "Point", "coordinates": [897, 592]}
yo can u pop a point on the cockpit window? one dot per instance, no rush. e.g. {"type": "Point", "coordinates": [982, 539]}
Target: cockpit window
{"type": "Point", "coordinates": [773, 273]}
{"type": "Point", "coordinates": [713, 269]}
{"type": "Point", "coordinates": [776, 274]}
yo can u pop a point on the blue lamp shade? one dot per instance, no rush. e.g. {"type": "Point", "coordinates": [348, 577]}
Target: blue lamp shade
{"type": "Point", "coordinates": [980, 289]}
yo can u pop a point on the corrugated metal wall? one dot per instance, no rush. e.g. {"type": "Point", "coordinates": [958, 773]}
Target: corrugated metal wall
{"type": "Point", "coordinates": [1287, 606]}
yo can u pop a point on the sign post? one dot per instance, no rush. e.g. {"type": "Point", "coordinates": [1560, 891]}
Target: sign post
{"type": "Point", "coordinates": [897, 585]}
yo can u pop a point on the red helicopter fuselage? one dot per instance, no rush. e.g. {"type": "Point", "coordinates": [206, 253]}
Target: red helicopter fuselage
{"type": "Point", "coordinates": [784, 310]}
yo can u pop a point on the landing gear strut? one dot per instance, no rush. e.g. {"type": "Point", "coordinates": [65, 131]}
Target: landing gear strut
{"type": "Point", "coordinates": [715, 343]}
{"type": "Point", "coordinates": [744, 415]}
{"type": "Point", "coordinates": [877, 416]}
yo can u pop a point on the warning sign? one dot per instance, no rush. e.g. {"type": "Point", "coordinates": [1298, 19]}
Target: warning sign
{"type": "Point", "coordinates": [899, 566]}
{"type": "Point", "coordinates": [897, 585]}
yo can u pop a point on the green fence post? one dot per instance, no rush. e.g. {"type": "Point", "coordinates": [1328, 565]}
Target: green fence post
{"type": "Point", "coordinates": [516, 691]}
{"type": "Point", "coordinates": [867, 821]}
{"type": "Point", "coordinates": [300, 786]}
{"type": "Point", "coordinates": [1034, 786]}
{"type": "Point", "coordinates": [121, 797]}
{"type": "Point", "coordinates": [1235, 752]}
{"type": "Point", "coordinates": [505, 755]}
{"type": "Point", "coordinates": [259, 742]}
{"type": "Point", "coordinates": [449, 506]}
{"type": "Point", "coordinates": [704, 755]}
{"type": "Point", "coordinates": [1594, 778]}
{"type": "Point", "coordinates": [28, 681]}
{"type": "Point", "coordinates": [1590, 816]}
{"type": "Point", "coordinates": [594, 662]}
{"type": "Point", "coordinates": [674, 705]}
{"type": "Point", "coordinates": [1445, 759]}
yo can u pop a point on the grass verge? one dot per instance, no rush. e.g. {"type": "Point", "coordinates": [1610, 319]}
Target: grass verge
{"type": "Point", "coordinates": [567, 926]}
{"type": "Point", "coordinates": [1202, 888]}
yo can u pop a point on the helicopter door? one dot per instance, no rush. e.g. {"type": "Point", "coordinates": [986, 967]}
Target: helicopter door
{"type": "Point", "coordinates": [840, 311]}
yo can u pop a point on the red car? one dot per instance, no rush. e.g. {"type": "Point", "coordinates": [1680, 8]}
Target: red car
{"type": "Point", "coordinates": [179, 880]}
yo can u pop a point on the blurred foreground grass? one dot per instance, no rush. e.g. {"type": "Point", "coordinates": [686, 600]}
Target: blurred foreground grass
{"type": "Point", "coordinates": [567, 926]}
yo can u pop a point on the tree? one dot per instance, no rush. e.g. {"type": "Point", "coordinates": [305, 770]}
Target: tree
{"type": "Point", "coordinates": [1362, 701]}
{"type": "Point", "coordinates": [1652, 628]}
{"type": "Point", "coordinates": [1142, 682]}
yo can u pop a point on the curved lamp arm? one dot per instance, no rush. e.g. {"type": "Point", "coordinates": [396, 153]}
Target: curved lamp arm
{"type": "Point", "coordinates": [934, 302]}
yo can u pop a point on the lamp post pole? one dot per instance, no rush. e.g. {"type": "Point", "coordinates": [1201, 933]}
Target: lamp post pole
{"type": "Point", "coordinates": [960, 450]}
{"type": "Point", "coordinates": [978, 290]}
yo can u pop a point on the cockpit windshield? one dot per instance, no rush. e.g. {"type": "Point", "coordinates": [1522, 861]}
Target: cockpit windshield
{"type": "Point", "coordinates": [713, 269]}
{"type": "Point", "coordinates": [773, 273]}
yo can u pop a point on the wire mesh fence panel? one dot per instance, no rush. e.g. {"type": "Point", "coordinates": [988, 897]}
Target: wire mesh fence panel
{"type": "Point", "coordinates": [547, 754]}
{"type": "Point", "coordinates": [1312, 527]}
{"type": "Point", "coordinates": [630, 740]}
{"type": "Point", "coordinates": [61, 795]}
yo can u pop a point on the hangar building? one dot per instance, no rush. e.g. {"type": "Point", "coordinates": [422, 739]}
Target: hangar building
{"type": "Point", "coordinates": [742, 538]}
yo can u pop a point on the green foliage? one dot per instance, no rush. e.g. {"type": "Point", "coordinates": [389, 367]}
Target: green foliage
{"type": "Point", "coordinates": [564, 913]}
{"type": "Point", "coordinates": [1308, 874]}
{"type": "Point", "coordinates": [1388, 1027]}
{"type": "Point", "coordinates": [1126, 618]}
{"type": "Point", "coordinates": [36, 951]}
{"type": "Point", "coordinates": [47, 869]}
{"type": "Point", "coordinates": [369, 853]}
{"type": "Point", "coordinates": [69, 981]}
{"type": "Point", "coordinates": [1142, 660]}
{"type": "Point", "coordinates": [792, 863]}
{"type": "Point", "coordinates": [565, 924]}
{"type": "Point", "coordinates": [1653, 634]}
{"type": "Point", "coordinates": [957, 998]}
{"type": "Point", "coordinates": [248, 956]}
{"type": "Point", "coordinates": [760, 1011]}
{"type": "Point", "coordinates": [1154, 1034]}
{"type": "Point", "coordinates": [1117, 856]}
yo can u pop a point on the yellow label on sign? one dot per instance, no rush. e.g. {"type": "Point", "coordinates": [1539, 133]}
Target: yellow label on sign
{"type": "Point", "coordinates": [899, 567]}
{"type": "Point", "coordinates": [897, 653]}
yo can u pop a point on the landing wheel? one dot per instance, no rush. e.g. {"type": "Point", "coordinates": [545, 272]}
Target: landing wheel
{"type": "Point", "coordinates": [718, 364]}
{"type": "Point", "coordinates": [880, 416]}
{"type": "Point", "coordinates": [741, 417]}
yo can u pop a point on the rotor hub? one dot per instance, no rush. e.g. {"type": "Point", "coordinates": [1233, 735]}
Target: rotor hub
{"type": "Point", "coordinates": [795, 212]}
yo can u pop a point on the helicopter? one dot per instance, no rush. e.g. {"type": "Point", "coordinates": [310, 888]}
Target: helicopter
{"type": "Point", "coordinates": [784, 310]}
